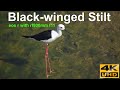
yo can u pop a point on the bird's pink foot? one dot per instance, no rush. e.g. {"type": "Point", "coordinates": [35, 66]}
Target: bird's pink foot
{"type": "Point", "coordinates": [48, 76]}
{"type": "Point", "coordinates": [52, 71]}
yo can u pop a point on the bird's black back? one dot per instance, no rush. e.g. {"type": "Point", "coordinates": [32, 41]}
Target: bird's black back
{"type": "Point", "coordinates": [45, 35]}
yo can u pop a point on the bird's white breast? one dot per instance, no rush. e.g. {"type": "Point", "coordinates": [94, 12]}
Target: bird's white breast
{"type": "Point", "coordinates": [55, 34]}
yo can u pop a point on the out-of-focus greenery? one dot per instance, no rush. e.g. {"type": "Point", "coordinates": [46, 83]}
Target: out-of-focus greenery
{"type": "Point", "coordinates": [73, 56]}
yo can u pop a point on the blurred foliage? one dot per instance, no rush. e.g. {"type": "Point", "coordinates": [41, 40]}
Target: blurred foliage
{"type": "Point", "coordinates": [73, 56]}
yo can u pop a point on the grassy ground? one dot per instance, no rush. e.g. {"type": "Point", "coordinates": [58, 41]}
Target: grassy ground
{"type": "Point", "coordinates": [75, 56]}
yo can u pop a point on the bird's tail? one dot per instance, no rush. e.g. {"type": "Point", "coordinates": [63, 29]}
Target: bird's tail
{"type": "Point", "coordinates": [26, 36]}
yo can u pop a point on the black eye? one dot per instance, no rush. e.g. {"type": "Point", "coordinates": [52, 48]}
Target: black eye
{"type": "Point", "coordinates": [60, 27]}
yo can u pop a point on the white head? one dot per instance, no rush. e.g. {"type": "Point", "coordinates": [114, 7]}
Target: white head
{"type": "Point", "coordinates": [60, 27]}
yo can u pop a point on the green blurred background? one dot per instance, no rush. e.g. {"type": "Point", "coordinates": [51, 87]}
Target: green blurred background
{"type": "Point", "coordinates": [73, 56]}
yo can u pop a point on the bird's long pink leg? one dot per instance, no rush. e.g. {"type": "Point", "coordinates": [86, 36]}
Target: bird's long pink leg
{"type": "Point", "coordinates": [49, 65]}
{"type": "Point", "coordinates": [46, 60]}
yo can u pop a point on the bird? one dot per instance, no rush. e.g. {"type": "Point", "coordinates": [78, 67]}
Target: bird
{"type": "Point", "coordinates": [47, 37]}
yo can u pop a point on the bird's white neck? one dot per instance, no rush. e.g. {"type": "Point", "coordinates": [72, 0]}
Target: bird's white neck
{"type": "Point", "coordinates": [59, 32]}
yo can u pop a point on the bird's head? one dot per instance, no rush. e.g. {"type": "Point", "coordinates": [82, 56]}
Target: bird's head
{"type": "Point", "coordinates": [60, 27]}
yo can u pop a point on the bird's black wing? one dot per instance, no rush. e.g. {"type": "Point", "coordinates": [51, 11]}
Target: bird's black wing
{"type": "Point", "coordinates": [45, 35]}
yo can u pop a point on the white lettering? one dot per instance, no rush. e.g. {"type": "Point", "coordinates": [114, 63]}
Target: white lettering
{"type": "Point", "coordinates": [11, 16]}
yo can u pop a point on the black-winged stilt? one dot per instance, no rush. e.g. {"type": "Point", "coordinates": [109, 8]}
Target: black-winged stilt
{"type": "Point", "coordinates": [47, 37]}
